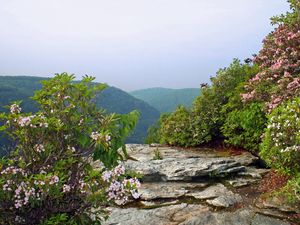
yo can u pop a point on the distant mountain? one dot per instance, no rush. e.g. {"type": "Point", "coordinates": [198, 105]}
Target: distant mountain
{"type": "Point", "coordinates": [112, 99]}
{"type": "Point", "coordinates": [166, 99]}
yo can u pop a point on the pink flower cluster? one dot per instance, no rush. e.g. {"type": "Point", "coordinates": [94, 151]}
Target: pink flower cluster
{"type": "Point", "coordinates": [39, 121]}
{"type": "Point", "coordinates": [118, 189]}
{"type": "Point", "coordinates": [13, 170]}
{"type": "Point", "coordinates": [23, 193]}
{"type": "Point", "coordinates": [25, 121]}
{"type": "Point", "coordinates": [279, 62]}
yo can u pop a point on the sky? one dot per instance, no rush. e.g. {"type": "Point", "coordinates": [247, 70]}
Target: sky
{"type": "Point", "coordinates": [132, 44]}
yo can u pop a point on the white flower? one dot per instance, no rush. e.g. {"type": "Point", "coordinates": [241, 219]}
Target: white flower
{"type": "Point", "coordinates": [54, 180]}
{"type": "Point", "coordinates": [15, 109]}
{"type": "Point", "coordinates": [24, 121]}
{"type": "Point", "coordinates": [107, 138]}
{"type": "Point", "coordinates": [106, 176]}
{"type": "Point", "coordinates": [135, 194]}
{"type": "Point", "coordinates": [39, 148]}
{"type": "Point", "coordinates": [71, 149]}
{"type": "Point", "coordinates": [95, 136]}
{"type": "Point", "coordinates": [80, 122]}
{"type": "Point", "coordinates": [66, 188]}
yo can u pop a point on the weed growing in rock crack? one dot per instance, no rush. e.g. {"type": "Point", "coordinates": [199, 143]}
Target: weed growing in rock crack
{"type": "Point", "coordinates": [157, 155]}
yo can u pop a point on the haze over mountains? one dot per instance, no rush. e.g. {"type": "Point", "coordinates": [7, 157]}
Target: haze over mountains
{"type": "Point", "coordinates": [149, 102]}
{"type": "Point", "coordinates": [166, 99]}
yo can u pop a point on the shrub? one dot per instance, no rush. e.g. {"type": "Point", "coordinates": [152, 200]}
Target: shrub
{"type": "Point", "coordinates": [154, 131]}
{"type": "Point", "coordinates": [244, 127]}
{"type": "Point", "coordinates": [48, 178]}
{"type": "Point", "coordinates": [211, 108]}
{"type": "Point", "coordinates": [175, 128]}
{"type": "Point", "coordinates": [281, 143]}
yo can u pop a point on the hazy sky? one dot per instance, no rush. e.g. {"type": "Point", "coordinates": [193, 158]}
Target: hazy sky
{"type": "Point", "coordinates": [131, 44]}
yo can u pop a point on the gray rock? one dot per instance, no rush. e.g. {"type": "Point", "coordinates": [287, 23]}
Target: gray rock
{"type": "Point", "coordinates": [186, 169]}
{"type": "Point", "coordinates": [225, 200]}
{"type": "Point", "coordinates": [210, 192]}
{"type": "Point", "coordinates": [142, 152]}
{"type": "Point", "coordinates": [241, 182]}
{"type": "Point", "coordinates": [184, 214]}
{"type": "Point", "coordinates": [240, 217]}
{"type": "Point", "coordinates": [158, 204]}
{"type": "Point", "coordinates": [264, 220]}
{"type": "Point", "coordinates": [171, 215]}
{"type": "Point", "coordinates": [246, 158]}
{"type": "Point", "coordinates": [217, 195]}
{"type": "Point", "coordinates": [171, 179]}
{"type": "Point", "coordinates": [167, 190]}
{"type": "Point", "coordinates": [253, 172]}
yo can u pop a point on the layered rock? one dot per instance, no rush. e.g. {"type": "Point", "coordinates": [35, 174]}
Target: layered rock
{"type": "Point", "coordinates": [195, 187]}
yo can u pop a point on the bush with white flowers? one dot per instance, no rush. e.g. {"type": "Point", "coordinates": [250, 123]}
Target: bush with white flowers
{"type": "Point", "coordinates": [48, 177]}
{"type": "Point", "coordinates": [281, 142]}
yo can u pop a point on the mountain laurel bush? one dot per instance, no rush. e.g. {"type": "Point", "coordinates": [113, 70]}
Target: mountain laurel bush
{"type": "Point", "coordinates": [281, 143]}
{"type": "Point", "coordinates": [48, 177]}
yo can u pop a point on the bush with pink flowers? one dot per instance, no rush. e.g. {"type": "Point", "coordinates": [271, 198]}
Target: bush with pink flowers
{"type": "Point", "coordinates": [48, 178]}
{"type": "Point", "coordinates": [279, 62]}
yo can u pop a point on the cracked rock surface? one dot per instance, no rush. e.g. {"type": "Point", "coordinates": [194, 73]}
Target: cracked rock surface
{"type": "Point", "coordinates": [196, 187]}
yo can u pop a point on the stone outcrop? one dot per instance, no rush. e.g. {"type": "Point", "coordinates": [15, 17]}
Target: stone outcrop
{"type": "Point", "coordinates": [195, 187]}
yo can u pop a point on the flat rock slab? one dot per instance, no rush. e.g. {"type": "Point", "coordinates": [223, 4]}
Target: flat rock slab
{"type": "Point", "coordinates": [184, 169]}
{"type": "Point", "coordinates": [217, 195]}
{"type": "Point", "coordinates": [184, 214]}
{"type": "Point", "coordinates": [276, 204]}
{"type": "Point", "coordinates": [143, 152]}
{"type": "Point", "coordinates": [253, 172]}
{"type": "Point", "coordinates": [171, 215]}
{"type": "Point", "coordinates": [225, 200]}
{"type": "Point", "coordinates": [167, 190]}
{"type": "Point", "coordinates": [210, 192]}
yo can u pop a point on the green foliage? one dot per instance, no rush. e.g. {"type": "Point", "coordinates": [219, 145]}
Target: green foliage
{"type": "Point", "coordinates": [59, 219]}
{"type": "Point", "coordinates": [154, 135]}
{"type": "Point", "coordinates": [212, 107]}
{"type": "Point", "coordinates": [175, 128]}
{"type": "Point", "coordinates": [244, 127]}
{"type": "Point", "coordinates": [291, 191]}
{"type": "Point", "coordinates": [291, 17]}
{"type": "Point", "coordinates": [48, 177]}
{"type": "Point", "coordinates": [281, 143]}
{"type": "Point", "coordinates": [167, 100]}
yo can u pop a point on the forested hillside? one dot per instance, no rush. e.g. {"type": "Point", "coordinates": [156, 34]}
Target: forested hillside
{"type": "Point", "coordinates": [166, 99]}
{"type": "Point", "coordinates": [112, 99]}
